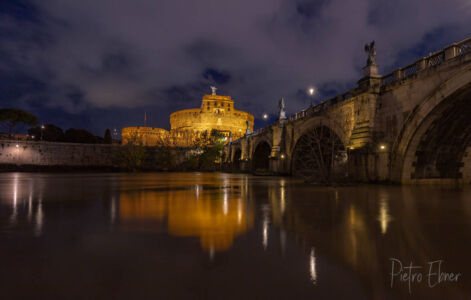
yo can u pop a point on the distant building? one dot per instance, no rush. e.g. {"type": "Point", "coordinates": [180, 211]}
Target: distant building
{"type": "Point", "coordinates": [216, 113]}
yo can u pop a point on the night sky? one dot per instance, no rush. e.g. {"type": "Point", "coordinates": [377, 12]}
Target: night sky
{"type": "Point", "coordinates": [100, 64]}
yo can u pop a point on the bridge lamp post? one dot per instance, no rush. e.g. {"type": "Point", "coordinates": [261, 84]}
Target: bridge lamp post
{"type": "Point", "coordinates": [311, 91]}
{"type": "Point", "coordinates": [382, 147]}
{"type": "Point", "coordinates": [265, 116]}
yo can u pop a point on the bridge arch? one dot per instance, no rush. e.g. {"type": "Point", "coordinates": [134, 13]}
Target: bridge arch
{"type": "Point", "coordinates": [236, 158]}
{"type": "Point", "coordinates": [318, 148]}
{"type": "Point", "coordinates": [433, 140]}
{"type": "Point", "coordinates": [261, 156]}
{"type": "Point", "coordinates": [320, 121]}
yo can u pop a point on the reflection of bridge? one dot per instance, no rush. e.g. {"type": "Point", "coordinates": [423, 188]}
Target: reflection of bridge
{"type": "Point", "coordinates": [410, 126]}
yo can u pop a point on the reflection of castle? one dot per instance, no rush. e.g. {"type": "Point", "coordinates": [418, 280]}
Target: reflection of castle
{"type": "Point", "coordinates": [216, 112]}
{"type": "Point", "coordinates": [216, 217]}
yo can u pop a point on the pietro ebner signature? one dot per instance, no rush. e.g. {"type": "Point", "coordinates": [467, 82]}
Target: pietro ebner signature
{"type": "Point", "coordinates": [433, 273]}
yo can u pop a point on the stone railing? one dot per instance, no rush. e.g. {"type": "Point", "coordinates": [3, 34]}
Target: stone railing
{"type": "Point", "coordinates": [319, 107]}
{"type": "Point", "coordinates": [434, 59]}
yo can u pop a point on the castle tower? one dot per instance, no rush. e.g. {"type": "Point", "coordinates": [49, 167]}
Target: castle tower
{"type": "Point", "coordinates": [216, 112]}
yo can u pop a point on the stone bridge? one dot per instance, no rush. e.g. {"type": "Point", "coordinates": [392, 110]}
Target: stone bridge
{"type": "Point", "coordinates": [410, 126]}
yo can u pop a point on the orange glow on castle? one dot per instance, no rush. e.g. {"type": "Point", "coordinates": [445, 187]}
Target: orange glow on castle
{"type": "Point", "coordinates": [216, 113]}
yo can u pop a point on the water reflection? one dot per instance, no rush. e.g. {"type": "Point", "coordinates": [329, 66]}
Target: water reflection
{"type": "Point", "coordinates": [215, 216]}
{"type": "Point", "coordinates": [383, 216]}
{"type": "Point", "coordinates": [265, 225]}
{"type": "Point", "coordinates": [23, 206]}
{"type": "Point", "coordinates": [312, 266]}
{"type": "Point", "coordinates": [346, 235]}
{"type": "Point", "coordinates": [39, 218]}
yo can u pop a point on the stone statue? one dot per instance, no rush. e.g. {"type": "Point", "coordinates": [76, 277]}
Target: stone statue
{"type": "Point", "coordinates": [371, 50]}
{"type": "Point", "coordinates": [248, 127]}
{"type": "Point", "coordinates": [213, 90]}
{"type": "Point", "coordinates": [282, 114]}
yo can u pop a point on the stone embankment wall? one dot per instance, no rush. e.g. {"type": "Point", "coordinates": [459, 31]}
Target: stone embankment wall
{"type": "Point", "coordinates": [51, 154]}
{"type": "Point", "coordinates": [56, 154]}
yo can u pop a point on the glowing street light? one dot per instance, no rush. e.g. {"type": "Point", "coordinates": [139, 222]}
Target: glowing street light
{"type": "Point", "coordinates": [42, 129]}
{"type": "Point", "coordinates": [265, 116]}
{"type": "Point", "coordinates": [311, 91]}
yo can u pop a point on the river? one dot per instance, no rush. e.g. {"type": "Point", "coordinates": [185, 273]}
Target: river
{"type": "Point", "coordinates": [228, 236]}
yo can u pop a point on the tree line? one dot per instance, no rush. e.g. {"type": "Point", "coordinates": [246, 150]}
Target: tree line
{"type": "Point", "coordinates": [14, 120]}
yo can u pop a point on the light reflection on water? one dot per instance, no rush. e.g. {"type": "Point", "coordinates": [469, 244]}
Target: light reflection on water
{"type": "Point", "coordinates": [22, 204]}
{"type": "Point", "coordinates": [275, 231]}
{"type": "Point", "coordinates": [215, 216]}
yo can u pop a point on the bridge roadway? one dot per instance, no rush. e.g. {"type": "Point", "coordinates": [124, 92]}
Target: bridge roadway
{"type": "Point", "coordinates": [410, 126]}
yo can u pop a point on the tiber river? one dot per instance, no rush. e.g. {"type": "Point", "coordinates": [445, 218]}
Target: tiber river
{"type": "Point", "coordinates": [229, 236]}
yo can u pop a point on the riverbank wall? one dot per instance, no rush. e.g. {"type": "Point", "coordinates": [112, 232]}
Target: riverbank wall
{"type": "Point", "coordinates": [32, 155]}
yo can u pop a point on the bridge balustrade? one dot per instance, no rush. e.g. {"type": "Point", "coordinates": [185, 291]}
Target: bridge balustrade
{"type": "Point", "coordinates": [434, 59]}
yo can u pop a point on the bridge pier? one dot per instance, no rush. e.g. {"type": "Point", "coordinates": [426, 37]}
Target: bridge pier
{"type": "Point", "coordinates": [279, 165]}
{"type": "Point", "coordinates": [368, 165]}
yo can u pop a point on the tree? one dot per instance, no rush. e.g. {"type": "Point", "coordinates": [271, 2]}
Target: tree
{"type": "Point", "coordinates": [317, 153]}
{"type": "Point", "coordinates": [73, 135]}
{"type": "Point", "coordinates": [108, 139]}
{"type": "Point", "coordinates": [50, 133]}
{"type": "Point", "coordinates": [10, 118]}
{"type": "Point", "coordinates": [209, 148]}
{"type": "Point", "coordinates": [132, 154]}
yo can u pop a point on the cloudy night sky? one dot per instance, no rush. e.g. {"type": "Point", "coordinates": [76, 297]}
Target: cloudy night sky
{"type": "Point", "coordinates": [100, 64]}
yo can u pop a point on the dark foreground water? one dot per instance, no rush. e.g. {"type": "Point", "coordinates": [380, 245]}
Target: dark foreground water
{"type": "Point", "coordinates": [225, 236]}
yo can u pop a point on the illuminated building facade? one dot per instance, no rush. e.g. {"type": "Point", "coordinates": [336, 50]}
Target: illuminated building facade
{"type": "Point", "coordinates": [216, 113]}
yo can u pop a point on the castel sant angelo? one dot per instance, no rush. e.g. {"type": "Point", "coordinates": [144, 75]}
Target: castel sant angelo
{"type": "Point", "coordinates": [216, 113]}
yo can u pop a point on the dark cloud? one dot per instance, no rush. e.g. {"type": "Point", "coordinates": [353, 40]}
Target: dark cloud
{"type": "Point", "coordinates": [107, 61]}
{"type": "Point", "coordinates": [218, 77]}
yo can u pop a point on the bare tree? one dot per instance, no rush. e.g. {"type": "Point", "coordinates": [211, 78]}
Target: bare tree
{"type": "Point", "coordinates": [317, 153]}
{"type": "Point", "coordinates": [131, 155]}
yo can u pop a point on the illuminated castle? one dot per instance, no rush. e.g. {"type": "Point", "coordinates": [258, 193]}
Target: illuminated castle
{"type": "Point", "coordinates": [216, 113]}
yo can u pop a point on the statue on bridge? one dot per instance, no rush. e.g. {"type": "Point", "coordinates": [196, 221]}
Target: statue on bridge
{"type": "Point", "coordinates": [371, 69]}
{"type": "Point", "coordinates": [247, 132]}
{"type": "Point", "coordinates": [282, 113]}
{"type": "Point", "coordinates": [371, 50]}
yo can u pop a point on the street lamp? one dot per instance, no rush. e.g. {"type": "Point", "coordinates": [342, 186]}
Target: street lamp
{"type": "Point", "coordinates": [42, 129]}
{"type": "Point", "coordinates": [265, 116]}
{"type": "Point", "coordinates": [311, 91]}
